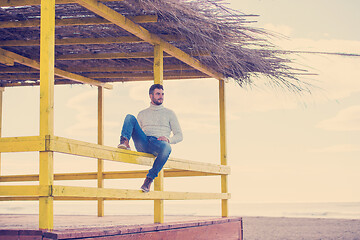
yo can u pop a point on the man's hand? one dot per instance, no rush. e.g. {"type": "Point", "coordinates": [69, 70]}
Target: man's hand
{"type": "Point", "coordinates": [165, 139]}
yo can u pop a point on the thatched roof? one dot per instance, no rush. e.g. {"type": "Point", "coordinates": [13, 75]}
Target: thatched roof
{"type": "Point", "coordinates": [221, 38]}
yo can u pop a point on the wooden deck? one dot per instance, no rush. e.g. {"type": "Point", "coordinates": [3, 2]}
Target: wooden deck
{"type": "Point", "coordinates": [21, 227]}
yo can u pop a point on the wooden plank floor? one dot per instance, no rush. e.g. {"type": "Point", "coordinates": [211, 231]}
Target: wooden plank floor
{"type": "Point", "coordinates": [61, 222]}
{"type": "Point", "coordinates": [121, 227]}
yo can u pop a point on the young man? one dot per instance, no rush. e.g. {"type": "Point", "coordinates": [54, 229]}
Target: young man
{"type": "Point", "coordinates": [151, 132]}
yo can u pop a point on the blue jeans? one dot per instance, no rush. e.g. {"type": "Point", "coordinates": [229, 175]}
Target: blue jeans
{"type": "Point", "coordinates": [146, 144]}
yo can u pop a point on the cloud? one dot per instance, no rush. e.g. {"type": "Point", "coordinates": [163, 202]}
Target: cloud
{"type": "Point", "coordinates": [337, 75]}
{"type": "Point", "coordinates": [85, 107]}
{"type": "Point", "coordinates": [346, 120]}
{"type": "Point", "coordinates": [344, 148]}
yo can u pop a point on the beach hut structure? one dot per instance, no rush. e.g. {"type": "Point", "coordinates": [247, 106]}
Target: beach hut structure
{"type": "Point", "coordinates": [57, 42]}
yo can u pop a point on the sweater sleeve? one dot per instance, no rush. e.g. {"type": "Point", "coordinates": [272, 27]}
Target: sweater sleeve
{"type": "Point", "coordinates": [140, 119]}
{"type": "Point", "coordinates": [175, 128]}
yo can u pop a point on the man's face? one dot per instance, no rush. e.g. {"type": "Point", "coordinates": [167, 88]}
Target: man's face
{"type": "Point", "coordinates": [157, 97]}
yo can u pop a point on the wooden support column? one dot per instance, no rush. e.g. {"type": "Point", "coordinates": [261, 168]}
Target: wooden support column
{"type": "Point", "coordinates": [159, 181]}
{"type": "Point", "coordinates": [159, 204]}
{"type": "Point", "coordinates": [47, 52]}
{"type": "Point", "coordinates": [100, 176]}
{"type": "Point", "coordinates": [1, 104]}
{"type": "Point", "coordinates": [223, 156]}
{"type": "Point", "coordinates": [158, 64]}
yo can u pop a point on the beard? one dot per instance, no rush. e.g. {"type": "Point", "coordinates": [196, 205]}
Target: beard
{"type": "Point", "coordinates": [156, 101]}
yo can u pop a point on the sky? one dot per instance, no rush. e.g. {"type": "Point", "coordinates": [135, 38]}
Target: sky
{"type": "Point", "coordinates": [281, 147]}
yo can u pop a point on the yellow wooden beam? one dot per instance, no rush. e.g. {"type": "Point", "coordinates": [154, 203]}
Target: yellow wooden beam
{"type": "Point", "coordinates": [223, 153]}
{"type": "Point", "coordinates": [25, 190]}
{"type": "Point", "coordinates": [6, 60]}
{"type": "Point", "coordinates": [75, 21]}
{"type": "Point", "coordinates": [36, 83]}
{"type": "Point", "coordinates": [67, 191]}
{"type": "Point", "coordinates": [159, 181]}
{"type": "Point", "coordinates": [76, 41]}
{"type": "Point", "coordinates": [106, 175]}
{"type": "Point", "coordinates": [137, 79]}
{"type": "Point", "coordinates": [134, 76]}
{"type": "Point", "coordinates": [18, 3]}
{"type": "Point", "coordinates": [174, 67]}
{"type": "Point", "coordinates": [125, 23]}
{"type": "Point", "coordinates": [147, 76]}
{"type": "Point", "coordinates": [158, 65]}
{"type": "Point", "coordinates": [47, 62]}
{"type": "Point", "coordinates": [122, 79]}
{"type": "Point", "coordinates": [22, 144]}
{"type": "Point", "coordinates": [159, 204]}
{"type": "Point", "coordinates": [61, 73]}
{"type": "Point", "coordinates": [100, 176]}
{"type": "Point", "coordinates": [80, 148]}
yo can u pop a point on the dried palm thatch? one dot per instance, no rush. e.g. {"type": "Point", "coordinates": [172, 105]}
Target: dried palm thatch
{"type": "Point", "coordinates": [232, 46]}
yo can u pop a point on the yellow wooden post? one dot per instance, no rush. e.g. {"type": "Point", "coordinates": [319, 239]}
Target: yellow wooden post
{"type": "Point", "coordinates": [159, 204]}
{"type": "Point", "coordinates": [158, 64]}
{"type": "Point", "coordinates": [223, 157]}
{"type": "Point", "coordinates": [100, 177]}
{"type": "Point", "coordinates": [159, 181]}
{"type": "Point", "coordinates": [1, 103]}
{"type": "Point", "coordinates": [47, 52]}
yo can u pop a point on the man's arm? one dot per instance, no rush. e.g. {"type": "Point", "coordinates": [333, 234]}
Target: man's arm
{"type": "Point", "coordinates": [175, 128]}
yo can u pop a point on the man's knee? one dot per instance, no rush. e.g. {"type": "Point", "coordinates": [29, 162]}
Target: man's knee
{"type": "Point", "coordinates": [166, 148]}
{"type": "Point", "coordinates": [130, 117]}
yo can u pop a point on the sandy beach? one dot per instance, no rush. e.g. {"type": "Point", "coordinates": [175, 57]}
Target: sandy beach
{"type": "Point", "coordinates": [275, 228]}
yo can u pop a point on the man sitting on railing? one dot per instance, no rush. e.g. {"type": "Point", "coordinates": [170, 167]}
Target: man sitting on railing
{"type": "Point", "coordinates": [151, 132]}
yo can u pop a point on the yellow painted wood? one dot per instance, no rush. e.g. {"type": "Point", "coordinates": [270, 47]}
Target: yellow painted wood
{"type": "Point", "coordinates": [64, 145]}
{"type": "Point", "coordinates": [129, 79]}
{"type": "Point", "coordinates": [100, 178]}
{"type": "Point", "coordinates": [175, 67]}
{"type": "Point", "coordinates": [76, 41]}
{"type": "Point", "coordinates": [25, 191]}
{"type": "Point", "coordinates": [22, 144]}
{"type": "Point", "coordinates": [159, 204]}
{"type": "Point", "coordinates": [67, 191]}
{"type": "Point", "coordinates": [125, 23]}
{"type": "Point", "coordinates": [61, 73]}
{"type": "Point", "coordinates": [106, 175]}
{"type": "Point", "coordinates": [1, 106]}
{"type": "Point", "coordinates": [6, 60]}
{"type": "Point", "coordinates": [147, 76]}
{"type": "Point", "coordinates": [75, 21]}
{"type": "Point", "coordinates": [158, 64]}
{"type": "Point", "coordinates": [18, 3]}
{"type": "Point", "coordinates": [47, 61]}
{"type": "Point", "coordinates": [223, 153]}
{"type": "Point", "coordinates": [134, 76]}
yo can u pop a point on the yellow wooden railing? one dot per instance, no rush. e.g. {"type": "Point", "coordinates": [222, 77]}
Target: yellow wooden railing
{"type": "Point", "coordinates": [47, 143]}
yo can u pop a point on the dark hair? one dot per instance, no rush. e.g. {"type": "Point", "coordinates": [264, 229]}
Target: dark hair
{"type": "Point", "coordinates": [155, 86]}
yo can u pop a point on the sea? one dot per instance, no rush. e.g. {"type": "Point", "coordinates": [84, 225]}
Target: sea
{"type": "Point", "coordinates": [336, 210]}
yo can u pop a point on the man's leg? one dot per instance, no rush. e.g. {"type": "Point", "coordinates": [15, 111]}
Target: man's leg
{"type": "Point", "coordinates": [161, 150]}
{"type": "Point", "coordinates": [131, 128]}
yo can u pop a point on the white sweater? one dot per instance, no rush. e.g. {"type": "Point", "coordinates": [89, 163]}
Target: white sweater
{"type": "Point", "coordinates": [158, 121]}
